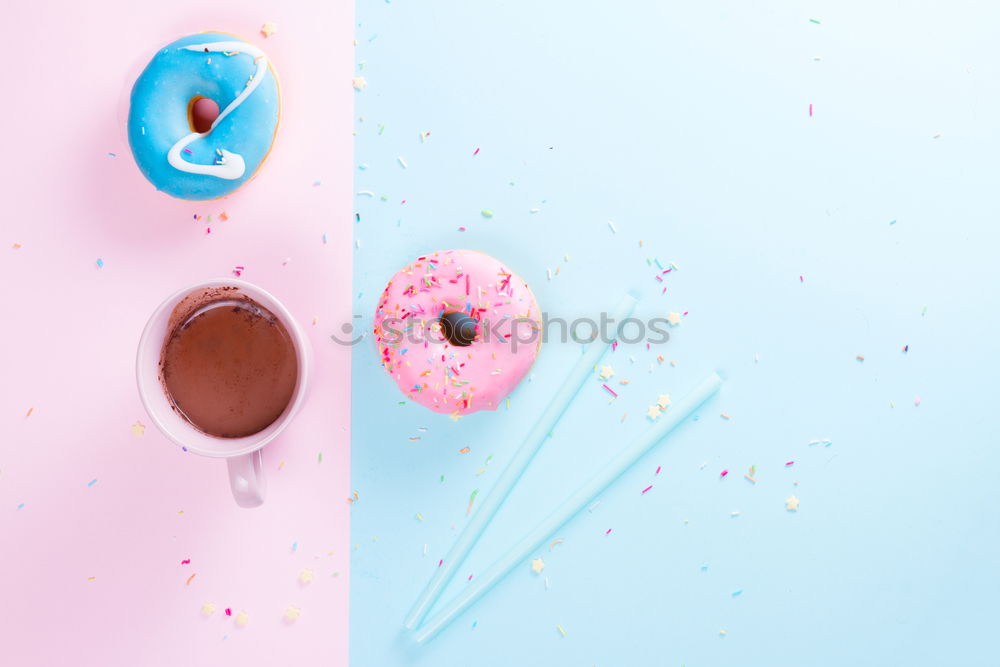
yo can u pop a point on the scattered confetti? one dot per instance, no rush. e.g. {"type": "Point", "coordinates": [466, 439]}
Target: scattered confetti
{"type": "Point", "coordinates": [472, 499]}
{"type": "Point", "coordinates": [91, 482]}
{"type": "Point", "coordinates": [229, 612]}
{"type": "Point", "coordinates": [561, 630]}
{"type": "Point", "coordinates": [663, 402]}
{"type": "Point", "coordinates": [100, 263]}
{"type": "Point", "coordinates": [537, 565]}
{"type": "Point", "coordinates": [673, 319]}
{"type": "Point", "coordinates": [789, 463]}
{"type": "Point", "coordinates": [268, 29]}
{"type": "Point", "coordinates": [91, 578]}
{"type": "Point", "coordinates": [138, 428]}
{"type": "Point", "coordinates": [653, 412]}
{"type": "Point", "coordinates": [552, 545]}
{"type": "Point", "coordinates": [238, 270]}
{"type": "Point", "coordinates": [186, 561]}
{"type": "Point", "coordinates": [723, 473]}
{"type": "Point", "coordinates": [859, 357]}
{"type": "Point", "coordinates": [464, 450]}
{"type": "Point", "coordinates": [725, 415]}
{"type": "Point", "coordinates": [607, 372]}
{"type": "Point", "coordinates": [738, 592]}
{"type": "Point", "coordinates": [306, 576]}
{"type": "Point", "coordinates": [30, 410]}
{"type": "Point", "coordinates": [611, 225]}
{"type": "Point", "coordinates": [292, 614]}
{"type": "Point", "coordinates": [242, 619]}
{"type": "Point", "coordinates": [792, 504]}
{"type": "Point", "coordinates": [359, 83]}
{"type": "Point", "coordinates": [486, 213]}
{"type": "Point", "coordinates": [17, 246]}
{"type": "Point", "coordinates": [610, 390]}
{"type": "Point", "coordinates": [189, 579]}
{"type": "Point", "coordinates": [647, 489]}
{"type": "Point", "coordinates": [402, 162]}
{"type": "Point", "coordinates": [917, 402]}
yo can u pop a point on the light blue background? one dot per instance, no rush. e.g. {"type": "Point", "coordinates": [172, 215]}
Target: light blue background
{"type": "Point", "coordinates": [687, 124]}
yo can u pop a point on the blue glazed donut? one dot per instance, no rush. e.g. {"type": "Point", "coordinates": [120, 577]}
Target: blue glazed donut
{"type": "Point", "coordinates": [171, 154]}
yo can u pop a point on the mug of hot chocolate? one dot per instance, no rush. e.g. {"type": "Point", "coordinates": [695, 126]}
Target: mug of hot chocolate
{"type": "Point", "coordinates": [222, 368]}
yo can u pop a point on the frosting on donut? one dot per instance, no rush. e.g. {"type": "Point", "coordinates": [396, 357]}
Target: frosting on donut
{"type": "Point", "coordinates": [457, 378]}
{"type": "Point", "coordinates": [204, 165]}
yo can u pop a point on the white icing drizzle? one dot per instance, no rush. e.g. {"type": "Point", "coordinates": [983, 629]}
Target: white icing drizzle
{"type": "Point", "coordinates": [230, 165]}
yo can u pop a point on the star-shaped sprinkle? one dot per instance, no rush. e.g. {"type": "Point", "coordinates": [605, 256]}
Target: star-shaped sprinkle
{"type": "Point", "coordinates": [607, 372]}
{"type": "Point", "coordinates": [359, 82]}
{"type": "Point", "coordinates": [242, 619]}
{"type": "Point", "coordinates": [268, 29]}
{"type": "Point", "coordinates": [306, 576]}
{"type": "Point", "coordinates": [207, 609]}
{"type": "Point", "coordinates": [792, 504]}
{"type": "Point", "coordinates": [663, 401]}
{"type": "Point", "coordinates": [537, 565]}
{"type": "Point", "coordinates": [673, 319]}
{"type": "Point", "coordinates": [653, 412]}
{"type": "Point", "coordinates": [292, 614]}
{"type": "Point", "coordinates": [138, 428]}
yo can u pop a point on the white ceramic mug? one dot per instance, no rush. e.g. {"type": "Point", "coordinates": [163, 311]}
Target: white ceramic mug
{"type": "Point", "coordinates": [243, 455]}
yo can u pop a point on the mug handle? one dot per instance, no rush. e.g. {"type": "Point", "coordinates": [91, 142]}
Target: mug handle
{"type": "Point", "coordinates": [246, 478]}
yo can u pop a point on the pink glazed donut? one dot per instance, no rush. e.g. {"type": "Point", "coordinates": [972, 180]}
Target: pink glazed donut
{"type": "Point", "coordinates": [457, 331]}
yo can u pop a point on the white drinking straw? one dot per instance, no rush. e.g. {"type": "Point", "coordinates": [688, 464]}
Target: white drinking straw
{"type": "Point", "coordinates": [570, 507]}
{"type": "Point", "coordinates": [522, 457]}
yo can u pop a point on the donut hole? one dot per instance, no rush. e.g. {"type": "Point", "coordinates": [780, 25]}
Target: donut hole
{"type": "Point", "coordinates": [458, 328]}
{"type": "Point", "coordinates": [202, 112]}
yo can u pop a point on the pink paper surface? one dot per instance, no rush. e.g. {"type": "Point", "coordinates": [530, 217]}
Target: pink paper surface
{"type": "Point", "coordinates": [91, 571]}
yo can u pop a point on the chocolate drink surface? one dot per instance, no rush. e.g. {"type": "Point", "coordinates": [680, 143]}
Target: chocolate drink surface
{"type": "Point", "coordinates": [229, 367]}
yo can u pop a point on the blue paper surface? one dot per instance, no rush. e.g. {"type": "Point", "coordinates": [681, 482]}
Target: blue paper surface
{"type": "Point", "coordinates": [802, 242]}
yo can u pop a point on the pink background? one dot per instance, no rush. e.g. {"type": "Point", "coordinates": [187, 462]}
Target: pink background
{"type": "Point", "coordinates": [69, 335]}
